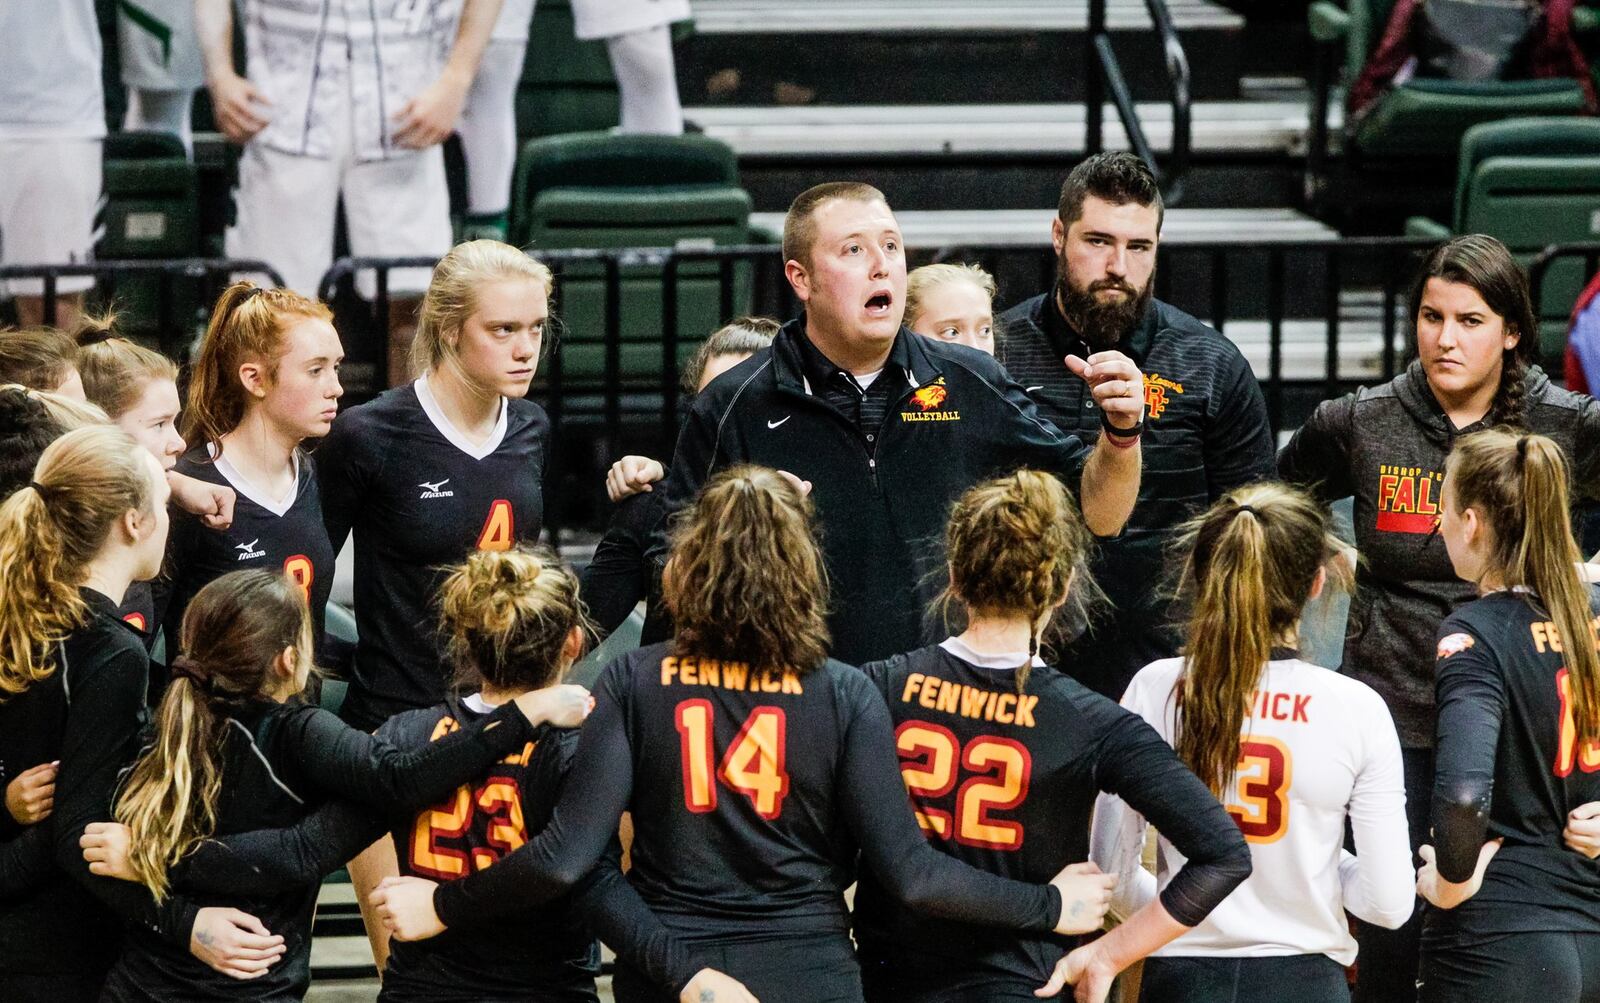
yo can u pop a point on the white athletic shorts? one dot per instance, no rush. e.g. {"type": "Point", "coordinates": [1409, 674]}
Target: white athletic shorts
{"type": "Point", "coordinates": [160, 50]}
{"type": "Point", "coordinates": [393, 208]}
{"type": "Point", "coordinates": [49, 194]}
{"type": "Point", "coordinates": [610, 18]}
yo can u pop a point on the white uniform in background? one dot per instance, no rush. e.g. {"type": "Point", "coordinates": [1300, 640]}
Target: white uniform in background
{"type": "Point", "coordinates": [161, 65]}
{"type": "Point", "coordinates": [337, 74]}
{"type": "Point", "coordinates": [488, 126]}
{"type": "Point", "coordinates": [1317, 746]}
{"type": "Point", "coordinates": [52, 125]}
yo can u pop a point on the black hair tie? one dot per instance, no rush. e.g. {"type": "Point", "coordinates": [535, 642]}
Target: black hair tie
{"type": "Point", "coordinates": [184, 667]}
{"type": "Point", "coordinates": [1522, 450]}
{"type": "Point", "coordinates": [44, 492]}
{"type": "Point", "coordinates": [1250, 509]}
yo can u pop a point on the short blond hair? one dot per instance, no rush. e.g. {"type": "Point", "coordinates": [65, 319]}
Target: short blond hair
{"type": "Point", "coordinates": [928, 277]}
{"type": "Point", "coordinates": [453, 294]}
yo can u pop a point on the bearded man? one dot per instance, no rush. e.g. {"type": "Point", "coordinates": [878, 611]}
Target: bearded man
{"type": "Point", "coordinates": [1205, 423]}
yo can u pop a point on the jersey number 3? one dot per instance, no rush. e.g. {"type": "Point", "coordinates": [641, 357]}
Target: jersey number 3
{"type": "Point", "coordinates": [1000, 769]}
{"type": "Point", "coordinates": [753, 764]}
{"type": "Point", "coordinates": [1262, 809]}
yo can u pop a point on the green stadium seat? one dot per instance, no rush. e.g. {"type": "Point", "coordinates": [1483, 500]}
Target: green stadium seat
{"type": "Point", "coordinates": [596, 190]}
{"type": "Point", "coordinates": [150, 212]}
{"type": "Point", "coordinates": [1531, 183]}
{"type": "Point", "coordinates": [1422, 119]}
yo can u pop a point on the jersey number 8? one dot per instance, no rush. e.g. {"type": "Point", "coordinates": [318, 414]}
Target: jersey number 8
{"type": "Point", "coordinates": [1000, 769]}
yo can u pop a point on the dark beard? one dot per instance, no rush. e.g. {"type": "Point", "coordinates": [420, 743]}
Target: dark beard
{"type": "Point", "coordinates": [1102, 326]}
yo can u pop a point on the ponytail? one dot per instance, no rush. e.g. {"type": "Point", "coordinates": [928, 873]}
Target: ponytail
{"type": "Point", "coordinates": [1521, 485]}
{"type": "Point", "coordinates": [234, 632]}
{"type": "Point", "coordinates": [1253, 557]}
{"type": "Point", "coordinates": [115, 371]}
{"type": "Point", "coordinates": [247, 325]}
{"type": "Point", "coordinates": [50, 530]}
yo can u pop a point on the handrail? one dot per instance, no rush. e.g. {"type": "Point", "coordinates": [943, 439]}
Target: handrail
{"type": "Point", "coordinates": [110, 268]}
{"type": "Point", "coordinates": [1104, 70]}
{"type": "Point", "coordinates": [1540, 265]}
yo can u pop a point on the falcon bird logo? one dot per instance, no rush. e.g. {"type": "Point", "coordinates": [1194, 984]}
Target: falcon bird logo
{"type": "Point", "coordinates": [930, 397]}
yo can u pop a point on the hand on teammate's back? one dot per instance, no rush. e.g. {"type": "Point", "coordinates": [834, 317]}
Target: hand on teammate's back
{"type": "Point", "coordinates": [405, 907]}
{"type": "Point", "coordinates": [1445, 894]}
{"type": "Point", "coordinates": [31, 795]}
{"type": "Point", "coordinates": [105, 849]}
{"type": "Point", "coordinates": [1583, 829]}
{"type": "Point", "coordinates": [711, 986]}
{"type": "Point", "coordinates": [632, 475]}
{"type": "Point", "coordinates": [1088, 972]}
{"type": "Point", "coordinates": [563, 706]}
{"type": "Point", "coordinates": [234, 943]}
{"type": "Point", "coordinates": [1085, 897]}
{"type": "Point", "coordinates": [240, 109]}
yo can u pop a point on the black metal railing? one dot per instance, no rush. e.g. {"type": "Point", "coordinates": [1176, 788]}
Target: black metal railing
{"type": "Point", "coordinates": [1103, 74]}
{"type": "Point", "coordinates": [112, 277]}
{"type": "Point", "coordinates": [1539, 267]}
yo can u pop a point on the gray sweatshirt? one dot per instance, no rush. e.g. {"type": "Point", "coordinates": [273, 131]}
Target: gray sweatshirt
{"type": "Point", "coordinates": [1385, 446]}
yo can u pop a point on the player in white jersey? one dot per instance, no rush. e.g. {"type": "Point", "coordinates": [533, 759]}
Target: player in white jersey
{"type": "Point", "coordinates": [1291, 749]}
{"type": "Point", "coordinates": [639, 42]}
{"type": "Point", "coordinates": [488, 126]}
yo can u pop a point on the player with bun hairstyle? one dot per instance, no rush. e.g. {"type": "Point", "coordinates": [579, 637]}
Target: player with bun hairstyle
{"type": "Point", "coordinates": [952, 302]}
{"type": "Point", "coordinates": [1477, 336]}
{"type": "Point", "coordinates": [749, 861]}
{"type": "Point", "coordinates": [91, 521]}
{"type": "Point", "coordinates": [235, 751]}
{"type": "Point", "coordinates": [1517, 737]}
{"type": "Point", "coordinates": [512, 625]}
{"type": "Point", "coordinates": [1003, 754]}
{"type": "Point", "coordinates": [1296, 752]}
{"type": "Point", "coordinates": [437, 468]}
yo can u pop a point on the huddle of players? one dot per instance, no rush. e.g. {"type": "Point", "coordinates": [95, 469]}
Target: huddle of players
{"type": "Point", "coordinates": [744, 839]}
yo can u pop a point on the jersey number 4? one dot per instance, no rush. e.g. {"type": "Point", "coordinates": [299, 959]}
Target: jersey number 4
{"type": "Point", "coordinates": [499, 529]}
{"type": "Point", "coordinates": [753, 765]}
{"type": "Point", "coordinates": [1262, 809]}
{"type": "Point", "coordinates": [999, 770]}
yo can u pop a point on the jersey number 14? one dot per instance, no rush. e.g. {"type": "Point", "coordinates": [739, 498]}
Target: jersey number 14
{"type": "Point", "coordinates": [753, 765]}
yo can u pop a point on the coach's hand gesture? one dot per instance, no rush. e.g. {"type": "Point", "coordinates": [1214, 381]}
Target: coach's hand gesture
{"type": "Point", "coordinates": [1117, 386]}
{"type": "Point", "coordinates": [405, 907]}
{"type": "Point", "coordinates": [1085, 897]}
{"type": "Point", "coordinates": [711, 986]}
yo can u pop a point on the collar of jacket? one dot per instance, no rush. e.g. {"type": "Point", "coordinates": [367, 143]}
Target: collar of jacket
{"type": "Point", "coordinates": [790, 371]}
{"type": "Point", "coordinates": [1135, 344]}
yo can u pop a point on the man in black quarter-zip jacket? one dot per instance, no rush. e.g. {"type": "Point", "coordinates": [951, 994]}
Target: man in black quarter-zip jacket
{"type": "Point", "coordinates": [890, 428]}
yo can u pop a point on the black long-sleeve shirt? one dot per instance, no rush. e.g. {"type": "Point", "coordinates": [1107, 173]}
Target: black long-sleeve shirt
{"type": "Point", "coordinates": [620, 575]}
{"type": "Point", "coordinates": [763, 846]}
{"type": "Point", "coordinates": [1006, 781]}
{"type": "Point", "coordinates": [1508, 767]}
{"type": "Point", "coordinates": [536, 949]}
{"type": "Point", "coordinates": [279, 761]}
{"type": "Point", "coordinates": [54, 915]}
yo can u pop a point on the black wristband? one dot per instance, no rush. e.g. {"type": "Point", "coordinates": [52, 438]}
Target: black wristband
{"type": "Point", "coordinates": [1120, 433]}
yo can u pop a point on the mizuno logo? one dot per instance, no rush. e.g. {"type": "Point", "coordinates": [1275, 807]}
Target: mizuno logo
{"type": "Point", "coordinates": [433, 489]}
{"type": "Point", "coordinates": [780, 421]}
{"type": "Point", "coordinates": [250, 550]}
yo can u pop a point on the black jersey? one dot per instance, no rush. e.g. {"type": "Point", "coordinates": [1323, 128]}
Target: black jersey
{"type": "Point", "coordinates": [1006, 781]}
{"type": "Point", "coordinates": [1508, 767]}
{"type": "Point", "coordinates": [419, 498]}
{"type": "Point", "coordinates": [535, 954]}
{"type": "Point", "coordinates": [751, 791]}
{"type": "Point", "coordinates": [138, 610]}
{"type": "Point", "coordinates": [278, 762]}
{"type": "Point", "coordinates": [266, 533]}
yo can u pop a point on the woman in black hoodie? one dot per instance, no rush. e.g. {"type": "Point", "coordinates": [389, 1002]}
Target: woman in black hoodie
{"type": "Point", "coordinates": [1385, 446]}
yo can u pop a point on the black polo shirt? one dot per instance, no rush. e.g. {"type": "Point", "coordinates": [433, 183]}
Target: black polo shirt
{"type": "Point", "coordinates": [1205, 433]}
{"type": "Point", "coordinates": [864, 407]}
{"type": "Point", "coordinates": [953, 419]}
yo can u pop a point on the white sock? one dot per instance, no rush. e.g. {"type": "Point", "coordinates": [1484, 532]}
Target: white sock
{"type": "Point", "coordinates": [647, 77]}
{"type": "Point", "coordinates": [488, 127]}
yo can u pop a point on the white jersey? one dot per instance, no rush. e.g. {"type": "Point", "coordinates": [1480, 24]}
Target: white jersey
{"type": "Point", "coordinates": [1317, 747]}
{"type": "Point", "coordinates": [51, 85]}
